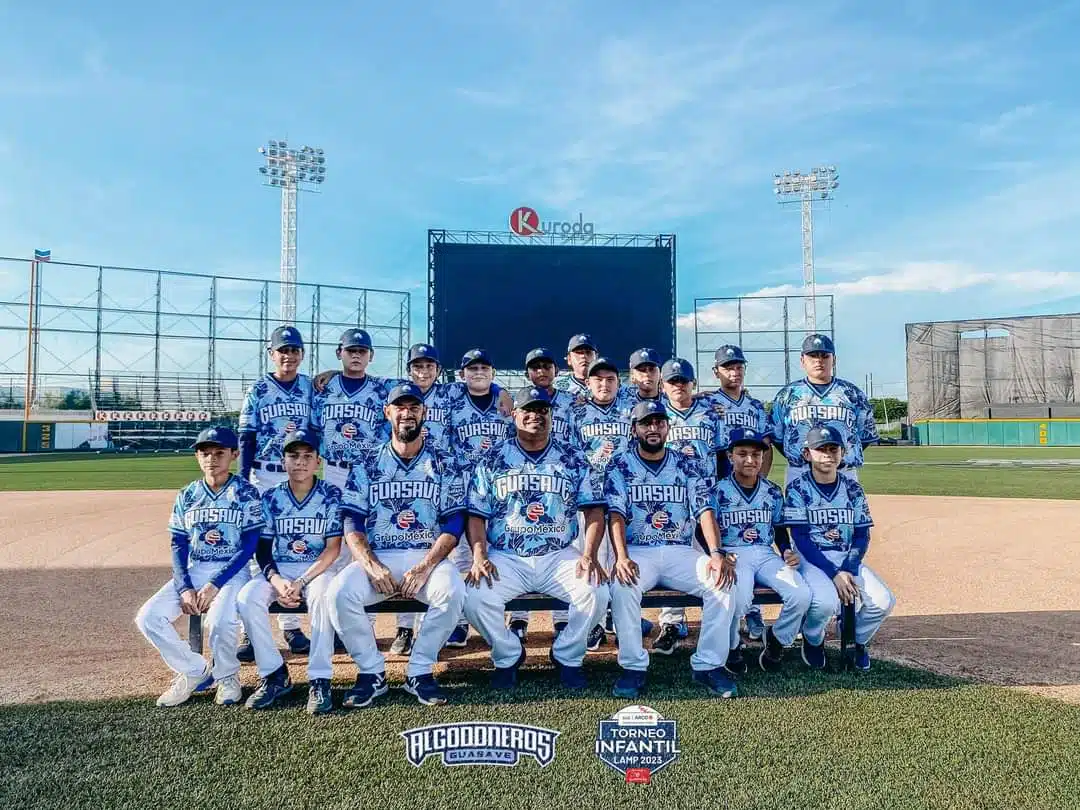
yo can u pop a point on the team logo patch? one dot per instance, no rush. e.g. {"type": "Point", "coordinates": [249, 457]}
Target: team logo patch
{"type": "Point", "coordinates": [348, 430]}
{"type": "Point", "coordinates": [475, 743]}
{"type": "Point", "coordinates": [535, 511]}
{"type": "Point", "coordinates": [637, 742]}
{"type": "Point", "coordinates": [485, 443]}
{"type": "Point", "coordinates": [290, 426]}
{"type": "Point", "coordinates": [660, 519]}
{"type": "Point", "coordinates": [750, 534]}
{"type": "Point", "coordinates": [298, 546]}
{"type": "Point", "coordinates": [405, 519]}
{"type": "Point", "coordinates": [688, 450]}
{"type": "Point", "coordinates": [213, 537]}
{"type": "Point", "coordinates": [832, 534]}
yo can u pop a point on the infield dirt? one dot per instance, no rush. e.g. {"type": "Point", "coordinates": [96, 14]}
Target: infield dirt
{"type": "Point", "coordinates": [986, 589]}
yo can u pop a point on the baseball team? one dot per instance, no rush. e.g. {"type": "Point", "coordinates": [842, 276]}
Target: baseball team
{"type": "Point", "coordinates": [463, 497]}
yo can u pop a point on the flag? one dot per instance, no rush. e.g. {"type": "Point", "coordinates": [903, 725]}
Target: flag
{"type": "Point", "coordinates": [42, 255]}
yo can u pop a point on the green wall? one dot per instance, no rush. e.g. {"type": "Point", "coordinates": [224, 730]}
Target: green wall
{"type": "Point", "coordinates": [998, 432]}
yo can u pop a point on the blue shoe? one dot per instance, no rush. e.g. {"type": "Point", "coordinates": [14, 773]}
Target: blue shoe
{"type": "Point", "coordinates": [646, 627]}
{"type": "Point", "coordinates": [205, 686]}
{"type": "Point", "coordinates": [425, 689]}
{"type": "Point", "coordinates": [572, 677]}
{"type": "Point", "coordinates": [609, 621]}
{"type": "Point", "coordinates": [274, 686]}
{"type": "Point", "coordinates": [683, 629]}
{"type": "Point", "coordinates": [299, 644]}
{"type": "Point", "coordinates": [755, 625]}
{"type": "Point", "coordinates": [459, 637]}
{"type": "Point", "coordinates": [365, 690]}
{"type": "Point", "coordinates": [320, 699]}
{"type": "Point", "coordinates": [813, 655]}
{"type": "Point", "coordinates": [596, 638]}
{"type": "Point", "coordinates": [506, 677]}
{"type": "Point", "coordinates": [861, 658]}
{"type": "Point", "coordinates": [630, 684]}
{"type": "Point", "coordinates": [717, 682]}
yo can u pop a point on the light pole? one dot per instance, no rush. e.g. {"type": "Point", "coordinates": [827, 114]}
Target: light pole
{"type": "Point", "coordinates": [291, 170]}
{"type": "Point", "coordinates": [817, 185]}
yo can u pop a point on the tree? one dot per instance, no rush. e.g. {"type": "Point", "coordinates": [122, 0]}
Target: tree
{"type": "Point", "coordinates": [888, 409]}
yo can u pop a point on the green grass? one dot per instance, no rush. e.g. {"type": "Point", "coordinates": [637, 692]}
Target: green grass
{"type": "Point", "coordinates": [889, 470]}
{"type": "Point", "coordinates": [895, 738]}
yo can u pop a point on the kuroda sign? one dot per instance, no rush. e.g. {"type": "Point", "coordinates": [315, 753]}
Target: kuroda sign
{"type": "Point", "coordinates": [524, 221]}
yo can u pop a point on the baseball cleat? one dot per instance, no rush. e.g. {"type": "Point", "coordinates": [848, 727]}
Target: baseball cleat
{"type": "Point", "coordinates": [365, 690]}
{"type": "Point", "coordinates": [630, 684]}
{"type": "Point", "coordinates": [520, 628]}
{"type": "Point", "coordinates": [683, 629]}
{"type": "Point", "coordinates": [245, 653]}
{"type": "Point", "coordinates": [506, 677]}
{"type": "Point", "coordinates": [755, 625]}
{"type": "Point", "coordinates": [718, 682]}
{"type": "Point", "coordinates": [813, 655]}
{"type": "Point", "coordinates": [668, 640]}
{"type": "Point", "coordinates": [319, 699]}
{"type": "Point", "coordinates": [596, 638]}
{"type": "Point", "coordinates": [861, 658]}
{"type": "Point", "coordinates": [460, 636]}
{"type": "Point", "coordinates": [182, 688]}
{"type": "Point", "coordinates": [274, 686]}
{"type": "Point", "coordinates": [206, 685]}
{"type": "Point", "coordinates": [572, 677]}
{"type": "Point", "coordinates": [772, 653]}
{"type": "Point", "coordinates": [299, 644]}
{"type": "Point", "coordinates": [425, 689]}
{"type": "Point", "coordinates": [403, 641]}
{"type": "Point", "coordinates": [736, 661]}
{"type": "Point", "coordinates": [609, 621]}
{"type": "Point", "coordinates": [229, 692]}
{"type": "Point", "coordinates": [646, 627]}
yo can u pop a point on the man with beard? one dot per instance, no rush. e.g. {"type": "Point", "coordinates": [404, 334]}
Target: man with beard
{"type": "Point", "coordinates": [403, 509]}
{"type": "Point", "coordinates": [523, 504]}
{"type": "Point", "coordinates": [655, 499]}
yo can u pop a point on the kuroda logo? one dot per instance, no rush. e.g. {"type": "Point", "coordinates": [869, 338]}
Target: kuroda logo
{"type": "Point", "coordinates": [524, 221]}
{"type": "Point", "coordinates": [535, 511]}
{"type": "Point", "coordinates": [405, 519]}
{"type": "Point", "coordinates": [212, 537]}
{"type": "Point", "coordinates": [660, 519]}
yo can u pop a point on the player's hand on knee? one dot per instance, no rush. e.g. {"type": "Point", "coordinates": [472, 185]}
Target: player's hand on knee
{"type": "Point", "coordinates": [722, 570]}
{"type": "Point", "coordinates": [206, 596]}
{"type": "Point", "coordinates": [589, 568]}
{"type": "Point", "coordinates": [626, 571]}
{"type": "Point", "coordinates": [791, 559]}
{"type": "Point", "coordinates": [189, 602]}
{"type": "Point", "coordinates": [845, 587]}
{"type": "Point", "coordinates": [381, 579]}
{"type": "Point", "coordinates": [482, 569]}
{"type": "Point", "coordinates": [414, 579]}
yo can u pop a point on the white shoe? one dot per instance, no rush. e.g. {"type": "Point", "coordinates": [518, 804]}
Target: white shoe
{"type": "Point", "coordinates": [229, 692]}
{"type": "Point", "coordinates": [183, 687]}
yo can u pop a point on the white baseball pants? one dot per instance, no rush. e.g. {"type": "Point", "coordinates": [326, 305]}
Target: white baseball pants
{"type": "Point", "coordinates": [604, 554]}
{"type": "Point", "coordinates": [264, 480]}
{"type": "Point", "coordinates": [762, 564]}
{"type": "Point", "coordinates": [554, 574]}
{"type": "Point", "coordinates": [352, 591]}
{"type": "Point", "coordinates": [681, 568]}
{"type": "Point", "coordinates": [254, 604]}
{"type": "Point", "coordinates": [221, 624]}
{"type": "Point", "coordinates": [874, 604]}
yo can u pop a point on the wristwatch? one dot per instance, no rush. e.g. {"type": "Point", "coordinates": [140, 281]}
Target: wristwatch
{"type": "Point", "coordinates": [303, 580]}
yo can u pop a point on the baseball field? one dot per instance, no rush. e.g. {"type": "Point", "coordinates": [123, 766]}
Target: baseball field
{"type": "Point", "coordinates": [973, 700]}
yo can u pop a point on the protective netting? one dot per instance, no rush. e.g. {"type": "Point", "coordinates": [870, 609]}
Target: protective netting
{"type": "Point", "coordinates": [1008, 367]}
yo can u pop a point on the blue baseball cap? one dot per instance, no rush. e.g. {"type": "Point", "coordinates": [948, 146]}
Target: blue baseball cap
{"type": "Point", "coordinates": [355, 339]}
{"type": "Point", "coordinates": [818, 343]}
{"type": "Point", "coordinates": [746, 436]}
{"type": "Point", "coordinates": [581, 341]}
{"type": "Point", "coordinates": [644, 357]}
{"type": "Point", "coordinates": [823, 435]}
{"type": "Point", "coordinates": [302, 436]}
{"type": "Point", "coordinates": [286, 336]}
{"type": "Point", "coordinates": [422, 351]}
{"type": "Point", "coordinates": [221, 436]}
{"type": "Point", "coordinates": [476, 356]}
{"type": "Point", "coordinates": [602, 364]}
{"type": "Point", "coordinates": [677, 369]}
{"type": "Point", "coordinates": [541, 354]}
{"type": "Point", "coordinates": [729, 354]}
{"type": "Point", "coordinates": [530, 395]}
{"type": "Point", "coordinates": [405, 390]}
{"type": "Point", "coordinates": [647, 408]}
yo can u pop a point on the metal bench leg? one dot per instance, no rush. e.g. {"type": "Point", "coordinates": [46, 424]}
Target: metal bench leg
{"type": "Point", "coordinates": [195, 634]}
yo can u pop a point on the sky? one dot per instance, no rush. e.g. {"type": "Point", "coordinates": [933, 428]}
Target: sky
{"type": "Point", "coordinates": [128, 136]}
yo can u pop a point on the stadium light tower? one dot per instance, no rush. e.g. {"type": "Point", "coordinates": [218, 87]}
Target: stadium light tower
{"type": "Point", "coordinates": [291, 170]}
{"type": "Point", "coordinates": [817, 185]}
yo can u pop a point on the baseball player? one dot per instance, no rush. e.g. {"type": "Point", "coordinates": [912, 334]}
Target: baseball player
{"type": "Point", "coordinates": [300, 544]}
{"type": "Point", "coordinates": [739, 410]}
{"type": "Point", "coordinates": [215, 526]}
{"type": "Point", "coordinates": [644, 378]}
{"type": "Point", "coordinates": [475, 426]}
{"type": "Point", "coordinates": [275, 405]}
{"type": "Point", "coordinates": [698, 432]}
{"type": "Point", "coordinates": [580, 354]}
{"type": "Point", "coordinates": [750, 511]}
{"type": "Point", "coordinates": [404, 512]}
{"type": "Point", "coordinates": [523, 503]}
{"type": "Point", "coordinates": [656, 497]}
{"type": "Point", "coordinates": [822, 398]}
{"type": "Point", "coordinates": [600, 427]}
{"type": "Point", "coordinates": [829, 519]}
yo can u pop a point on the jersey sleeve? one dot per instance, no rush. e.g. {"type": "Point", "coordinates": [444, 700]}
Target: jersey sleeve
{"type": "Point", "coordinates": [774, 420]}
{"type": "Point", "coordinates": [795, 508]}
{"type": "Point", "coordinates": [866, 428]}
{"type": "Point", "coordinates": [699, 494]}
{"type": "Point", "coordinates": [318, 412]}
{"type": "Point", "coordinates": [480, 500]}
{"type": "Point", "coordinates": [778, 507]}
{"type": "Point", "coordinates": [452, 488]}
{"type": "Point", "coordinates": [334, 527]}
{"type": "Point", "coordinates": [176, 519]}
{"type": "Point", "coordinates": [615, 491]}
{"type": "Point", "coordinates": [354, 498]}
{"type": "Point", "coordinates": [249, 411]}
{"type": "Point", "coordinates": [266, 508]}
{"type": "Point", "coordinates": [253, 517]}
{"type": "Point", "coordinates": [590, 491]}
{"type": "Point", "coordinates": [859, 504]}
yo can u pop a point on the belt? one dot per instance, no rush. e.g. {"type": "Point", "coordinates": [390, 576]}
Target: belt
{"type": "Point", "coordinates": [345, 465]}
{"type": "Point", "coordinates": [261, 465]}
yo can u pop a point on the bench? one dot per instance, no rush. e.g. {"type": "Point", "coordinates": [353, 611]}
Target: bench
{"type": "Point", "coordinates": [530, 601]}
